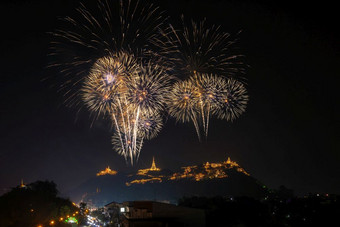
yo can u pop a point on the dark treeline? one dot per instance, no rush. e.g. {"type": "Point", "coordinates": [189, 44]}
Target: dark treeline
{"type": "Point", "coordinates": [35, 204]}
{"type": "Point", "coordinates": [279, 209]}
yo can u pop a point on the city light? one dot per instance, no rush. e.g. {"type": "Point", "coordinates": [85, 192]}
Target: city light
{"type": "Point", "coordinates": [71, 220]}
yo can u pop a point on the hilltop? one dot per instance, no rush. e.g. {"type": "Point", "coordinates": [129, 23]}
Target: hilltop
{"type": "Point", "coordinates": [225, 178]}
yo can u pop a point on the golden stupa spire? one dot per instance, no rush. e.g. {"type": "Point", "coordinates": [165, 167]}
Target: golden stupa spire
{"type": "Point", "coordinates": [22, 185]}
{"type": "Point", "coordinates": [153, 166]}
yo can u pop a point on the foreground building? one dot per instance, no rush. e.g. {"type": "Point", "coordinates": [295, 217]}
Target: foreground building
{"type": "Point", "coordinates": [157, 214]}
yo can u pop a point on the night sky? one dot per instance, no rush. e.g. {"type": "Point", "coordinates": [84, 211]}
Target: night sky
{"type": "Point", "coordinates": [287, 136]}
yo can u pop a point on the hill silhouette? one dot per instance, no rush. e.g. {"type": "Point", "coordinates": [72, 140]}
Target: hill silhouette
{"type": "Point", "coordinates": [209, 179]}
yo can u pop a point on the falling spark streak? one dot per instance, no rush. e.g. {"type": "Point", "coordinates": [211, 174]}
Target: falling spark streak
{"type": "Point", "coordinates": [135, 132]}
{"type": "Point", "coordinates": [209, 88]}
{"type": "Point", "coordinates": [119, 135]}
{"type": "Point", "coordinates": [194, 120]}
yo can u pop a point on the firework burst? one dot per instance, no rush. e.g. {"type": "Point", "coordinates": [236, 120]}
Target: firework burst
{"type": "Point", "coordinates": [182, 103]}
{"type": "Point", "coordinates": [233, 102]}
{"type": "Point", "coordinates": [147, 90]}
{"type": "Point", "coordinates": [203, 96]}
{"type": "Point", "coordinates": [106, 82]}
{"type": "Point", "coordinates": [210, 88]}
{"type": "Point", "coordinates": [196, 47]}
{"type": "Point", "coordinates": [102, 51]}
{"type": "Point", "coordinates": [150, 124]}
{"type": "Point", "coordinates": [98, 29]}
{"type": "Point", "coordinates": [139, 106]}
{"type": "Point", "coordinates": [132, 94]}
{"type": "Point", "coordinates": [123, 64]}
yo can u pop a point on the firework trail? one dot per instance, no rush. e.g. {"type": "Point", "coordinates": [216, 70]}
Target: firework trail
{"type": "Point", "coordinates": [145, 97]}
{"type": "Point", "coordinates": [124, 147]}
{"type": "Point", "coordinates": [210, 89]}
{"type": "Point", "coordinates": [104, 90]}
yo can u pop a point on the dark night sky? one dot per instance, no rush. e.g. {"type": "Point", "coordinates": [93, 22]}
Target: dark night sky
{"type": "Point", "coordinates": [286, 137]}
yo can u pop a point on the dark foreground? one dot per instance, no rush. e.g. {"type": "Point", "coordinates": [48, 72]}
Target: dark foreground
{"type": "Point", "coordinates": [38, 204]}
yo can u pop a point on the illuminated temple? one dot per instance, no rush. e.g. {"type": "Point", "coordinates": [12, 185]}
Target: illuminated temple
{"type": "Point", "coordinates": [205, 171]}
{"type": "Point", "coordinates": [144, 172]}
{"type": "Point", "coordinates": [107, 171]}
{"type": "Point", "coordinates": [208, 171]}
{"type": "Point", "coordinates": [148, 175]}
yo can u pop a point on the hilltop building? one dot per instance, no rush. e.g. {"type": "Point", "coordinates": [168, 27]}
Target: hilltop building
{"type": "Point", "coordinates": [153, 168]}
{"type": "Point", "coordinates": [107, 171]}
{"type": "Point", "coordinates": [22, 185]}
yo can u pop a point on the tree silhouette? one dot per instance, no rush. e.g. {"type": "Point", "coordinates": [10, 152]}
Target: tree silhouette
{"type": "Point", "coordinates": [34, 204]}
